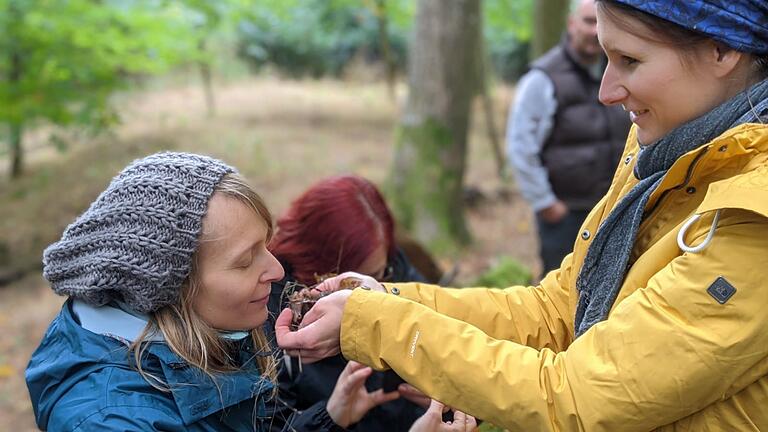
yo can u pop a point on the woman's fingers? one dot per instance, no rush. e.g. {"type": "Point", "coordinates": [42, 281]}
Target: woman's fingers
{"type": "Point", "coordinates": [459, 417]}
{"type": "Point", "coordinates": [378, 397]}
{"type": "Point", "coordinates": [414, 395]}
{"type": "Point", "coordinates": [287, 339]}
{"type": "Point", "coordinates": [435, 407]}
{"type": "Point", "coordinates": [353, 376]}
{"type": "Point", "coordinates": [351, 368]}
{"type": "Point", "coordinates": [431, 420]}
{"type": "Point", "coordinates": [471, 423]}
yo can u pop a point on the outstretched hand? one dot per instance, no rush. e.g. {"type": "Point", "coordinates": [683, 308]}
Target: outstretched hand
{"type": "Point", "coordinates": [350, 400]}
{"type": "Point", "coordinates": [432, 421]}
{"type": "Point", "coordinates": [349, 280]}
{"type": "Point", "coordinates": [319, 331]}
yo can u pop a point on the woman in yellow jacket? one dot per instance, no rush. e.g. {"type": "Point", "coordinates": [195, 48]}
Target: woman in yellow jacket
{"type": "Point", "coordinates": [658, 320]}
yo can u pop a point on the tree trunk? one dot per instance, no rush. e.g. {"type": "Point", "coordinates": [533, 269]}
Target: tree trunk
{"type": "Point", "coordinates": [205, 74]}
{"type": "Point", "coordinates": [484, 89]}
{"type": "Point", "coordinates": [17, 150]}
{"type": "Point", "coordinates": [386, 49]}
{"type": "Point", "coordinates": [426, 180]}
{"type": "Point", "coordinates": [16, 130]}
{"type": "Point", "coordinates": [548, 24]}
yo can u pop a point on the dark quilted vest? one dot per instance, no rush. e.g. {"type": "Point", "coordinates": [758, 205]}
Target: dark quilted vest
{"type": "Point", "coordinates": [587, 139]}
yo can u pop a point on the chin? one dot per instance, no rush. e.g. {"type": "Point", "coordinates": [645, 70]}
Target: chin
{"type": "Point", "coordinates": [645, 139]}
{"type": "Point", "coordinates": [260, 318]}
{"type": "Point", "coordinates": [251, 320]}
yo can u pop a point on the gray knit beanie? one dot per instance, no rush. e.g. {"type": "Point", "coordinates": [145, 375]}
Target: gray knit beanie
{"type": "Point", "coordinates": [136, 241]}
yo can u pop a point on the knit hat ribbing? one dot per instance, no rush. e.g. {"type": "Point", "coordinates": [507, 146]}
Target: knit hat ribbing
{"type": "Point", "coordinates": [136, 241]}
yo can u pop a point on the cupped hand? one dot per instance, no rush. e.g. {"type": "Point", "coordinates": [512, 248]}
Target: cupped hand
{"type": "Point", "coordinates": [336, 283]}
{"type": "Point", "coordinates": [350, 400]}
{"type": "Point", "coordinates": [319, 331]}
{"type": "Point", "coordinates": [432, 421]}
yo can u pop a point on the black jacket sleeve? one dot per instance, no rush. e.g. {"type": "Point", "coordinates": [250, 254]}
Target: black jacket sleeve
{"type": "Point", "coordinates": [313, 419]}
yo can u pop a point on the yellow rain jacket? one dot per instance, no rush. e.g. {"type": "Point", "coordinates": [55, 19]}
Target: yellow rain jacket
{"type": "Point", "coordinates": [670, 356]}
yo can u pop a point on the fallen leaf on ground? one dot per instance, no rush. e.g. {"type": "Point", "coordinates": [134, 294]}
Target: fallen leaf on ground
{"type": "Point", "coordinates": [5, 371]}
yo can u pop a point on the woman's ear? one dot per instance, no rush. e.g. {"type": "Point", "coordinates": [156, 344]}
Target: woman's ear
{"type": "Point", "coordinates": [724, 59]}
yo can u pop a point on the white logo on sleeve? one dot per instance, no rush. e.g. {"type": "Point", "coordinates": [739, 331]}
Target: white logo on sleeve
{"type": "Point", "coordinates": [413, 343]}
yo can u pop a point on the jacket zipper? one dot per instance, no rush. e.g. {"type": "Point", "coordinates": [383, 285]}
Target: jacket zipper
{"type": "Point", "coordinates": [685, 182]}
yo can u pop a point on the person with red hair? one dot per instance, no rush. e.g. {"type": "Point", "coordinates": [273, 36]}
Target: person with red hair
{"type": "Point", "coordinates": [326, 231]}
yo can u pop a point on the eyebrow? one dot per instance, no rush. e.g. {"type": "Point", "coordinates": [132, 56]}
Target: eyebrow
{"type": "Point", "coordinates": [215, 247]}
{"type": "Point", "coordinates": [607, 47]}
{"type": "Point", "coordinates": [242, 251]}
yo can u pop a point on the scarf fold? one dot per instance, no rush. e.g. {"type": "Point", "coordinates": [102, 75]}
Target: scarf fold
{"type": "Point", "coordinates": [606, 262]}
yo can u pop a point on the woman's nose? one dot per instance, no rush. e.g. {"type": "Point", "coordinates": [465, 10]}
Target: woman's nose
{"type": "Point", "coordinates": [275, 271]}
{"type": "Point", "coordinates": [612, 91]}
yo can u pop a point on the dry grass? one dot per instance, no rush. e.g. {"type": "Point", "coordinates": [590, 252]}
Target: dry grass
{"type": "Point", "coordinates": [283, 135]}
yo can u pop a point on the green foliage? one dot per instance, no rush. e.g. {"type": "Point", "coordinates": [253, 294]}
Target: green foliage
{"type": "Point", "coordinates": [61, 60]}
{"type": "Point", "coordinates": [320, 37]}
{"type": "Point", "coordinates": [69, 56]}
{"type": "Point", "coordinates": [506, 272]}
{"type": "Point", "coordinates": [507, 33]}
{"type": "Point", "coordinates": [210, 18]}
{"type": "Point", "coordinates": [487, 427]}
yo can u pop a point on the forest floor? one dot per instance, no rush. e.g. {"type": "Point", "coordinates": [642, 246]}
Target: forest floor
{"type": "Point", "coordinates": [283, 135]}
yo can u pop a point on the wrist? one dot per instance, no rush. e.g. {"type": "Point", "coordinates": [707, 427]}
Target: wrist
{"type": "Point", "coordinates": [328, 420]}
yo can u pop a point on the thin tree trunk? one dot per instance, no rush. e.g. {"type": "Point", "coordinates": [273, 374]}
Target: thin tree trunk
{"type": "Point", "coordinates": [493, 135]}
{"type": "Point", "coordinates": [205, 73]}
{"type": "Point", "coordinates": [549, 22]}
{"type": "Point", "coordinates": [483, 62]}
{"type": "Point", "coordinates": [426, 180]}
{"type": "Point", "coordinates": [17, 149]}
{"type": "Point", "coordinates": [386, 49]}
{"type": "Point", "coordinates": [16, 130]}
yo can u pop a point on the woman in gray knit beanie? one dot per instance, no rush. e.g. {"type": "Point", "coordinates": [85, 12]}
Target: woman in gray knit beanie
{"type": "Point", "coordinates": [168, 277]}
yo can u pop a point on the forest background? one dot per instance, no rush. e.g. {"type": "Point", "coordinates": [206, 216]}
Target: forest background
{"type": "Point", "coordinates": [289, 91]}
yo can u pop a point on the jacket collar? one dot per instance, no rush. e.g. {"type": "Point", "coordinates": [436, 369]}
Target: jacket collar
{"type": "Point", "coordinates": [111, 321]}
{"type": "Point", "coordinates": [196, 394]}
{"type": "Point", "coordinates": [746, 140]}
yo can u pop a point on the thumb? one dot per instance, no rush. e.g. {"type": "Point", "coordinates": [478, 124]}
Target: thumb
{"type": "Point", "coordinates": [283, 330]}
{"type": "Point", "coordinates": [435, 408]}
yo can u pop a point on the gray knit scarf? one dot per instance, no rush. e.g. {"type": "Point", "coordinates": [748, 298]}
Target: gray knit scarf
{"type": "Point", "coordinates": [605, 265]}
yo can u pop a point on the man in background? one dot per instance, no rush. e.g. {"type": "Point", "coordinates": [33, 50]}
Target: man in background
{"type": "Point", "coordinates": [563, 144]}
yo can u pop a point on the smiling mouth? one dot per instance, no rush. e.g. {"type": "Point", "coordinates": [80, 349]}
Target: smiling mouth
{"type": "Point", "coordinates": [634, 114]}
{"type": "Point", "coordinates": [259, 300]}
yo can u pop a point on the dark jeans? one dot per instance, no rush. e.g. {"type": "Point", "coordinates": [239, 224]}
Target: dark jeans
{"type": "Point", "coordinates": [556, 240]}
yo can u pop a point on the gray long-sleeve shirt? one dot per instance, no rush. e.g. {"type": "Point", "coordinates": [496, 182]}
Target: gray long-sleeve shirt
{"type": "Point", "coordinates": [530, 122]}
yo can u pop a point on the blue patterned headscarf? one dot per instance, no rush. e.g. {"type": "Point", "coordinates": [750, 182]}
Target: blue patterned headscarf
{"type": "Point", "coordinates": [740, 24]}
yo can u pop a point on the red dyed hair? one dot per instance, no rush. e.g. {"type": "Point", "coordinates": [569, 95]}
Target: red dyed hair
{"type": "Point", "coordinates": [333, 227]}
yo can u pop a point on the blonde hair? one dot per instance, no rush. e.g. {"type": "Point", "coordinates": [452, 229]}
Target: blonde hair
{"type": "Point", "coordinates": [184, 330]}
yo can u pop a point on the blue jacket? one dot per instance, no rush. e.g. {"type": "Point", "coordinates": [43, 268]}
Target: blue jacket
{"type": "Point", "coordinates": [82, 381]}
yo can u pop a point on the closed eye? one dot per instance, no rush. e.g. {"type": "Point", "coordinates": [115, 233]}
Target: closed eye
{"type": "Point", "coordinates": [244, 261]}
{"type": "Point", "coordinates": [628, 61]}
